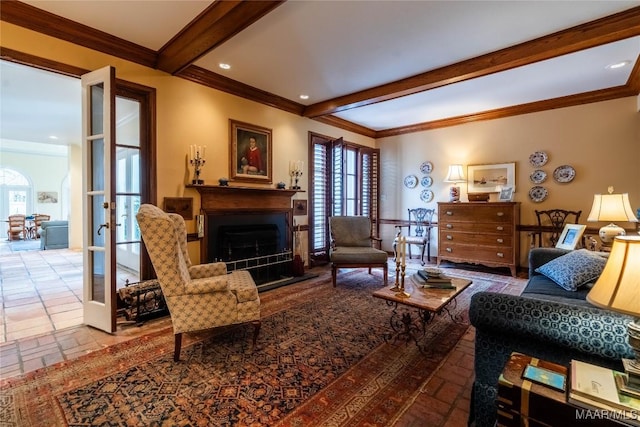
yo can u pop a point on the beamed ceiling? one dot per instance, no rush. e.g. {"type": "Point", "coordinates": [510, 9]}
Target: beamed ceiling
{"type": "Point", "coordinates": [372, 67]}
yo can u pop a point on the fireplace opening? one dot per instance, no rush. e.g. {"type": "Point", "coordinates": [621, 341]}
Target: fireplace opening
{"type": "Point", "coordinates": [254, 242]}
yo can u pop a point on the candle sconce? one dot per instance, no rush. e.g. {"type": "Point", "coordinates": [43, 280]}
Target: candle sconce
{"type": "Point", "coordinates": [196, 159]}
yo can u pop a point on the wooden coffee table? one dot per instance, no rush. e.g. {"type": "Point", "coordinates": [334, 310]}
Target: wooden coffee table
{"type": "Point", "coordinates": [428, 303]}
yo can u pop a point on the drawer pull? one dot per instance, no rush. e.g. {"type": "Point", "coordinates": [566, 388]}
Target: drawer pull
{"type": "Point", "coordinates": [449, 226]}
{"type": "Point", "coordinates": [500, 214]}
{"type": "Point", "coordinates": [449, 213]}
{"type": "Point", "coordinates": [500, 255]}
{"type": "Point", "coordinates": [500, 240]}
{"type": "Point", "coordinates": [500, 228]}
{"type": "Point", "coordinates": [449, 237]}
{"type": "Point", "coordinates": [449, 250]}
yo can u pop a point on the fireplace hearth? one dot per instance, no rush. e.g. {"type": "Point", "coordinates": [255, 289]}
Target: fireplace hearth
{"type": "Point", "coordinates": [249, 229]}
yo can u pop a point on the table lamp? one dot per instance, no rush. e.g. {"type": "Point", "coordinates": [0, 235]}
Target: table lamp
{"type": "Point", "coordinates": [618, 289]}
{"type": "Point", "coordinates": [611, 207]}
{"type": "Point", "coordinates": [455, 175]}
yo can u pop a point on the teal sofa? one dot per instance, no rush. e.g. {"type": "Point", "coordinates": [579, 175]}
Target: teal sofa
{"type": "Point", "coordinates": [546, 322]}
{"type": "Point", "coordinates": [54, 235]}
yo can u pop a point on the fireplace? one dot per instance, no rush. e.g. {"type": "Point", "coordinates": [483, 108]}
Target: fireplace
{"type": "Point", "coordinates": [248, 229]}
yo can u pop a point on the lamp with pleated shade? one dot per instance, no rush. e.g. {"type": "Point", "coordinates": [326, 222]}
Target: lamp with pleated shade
{"type": "Point", "coordinates": [611, 207]}
{"type": "Point", "coordinates": [618, 289]}
{"type": "Point", "coordinates": [455, 175]}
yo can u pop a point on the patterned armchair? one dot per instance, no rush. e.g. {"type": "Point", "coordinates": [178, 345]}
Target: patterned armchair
{"type": "Point", "coordinates": [198, 296]}
{"type": "Point", "coordinates": [351, 245]}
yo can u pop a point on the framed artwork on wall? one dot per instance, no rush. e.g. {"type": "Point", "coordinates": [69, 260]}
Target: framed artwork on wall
{"type": "Point", "coordinates": [250, 151]}
{"type": "Point", "coordinates": [490, 178]}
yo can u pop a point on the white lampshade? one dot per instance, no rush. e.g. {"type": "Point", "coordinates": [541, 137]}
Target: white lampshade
{"type": "Point", "coordinates": [611, 207]}
{"type": "Point", "coordinates": [455, 174]}
{"type": "Point", "coordinates": [618, 287]}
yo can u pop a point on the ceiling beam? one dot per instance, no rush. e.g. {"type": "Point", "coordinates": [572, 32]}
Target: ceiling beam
{"type": "Point", "coordinates": [32, 18]}
{"type": "Point", "coordinates": [217, 24]}
{"type": "Point", "coordinates": [595, 33]}
{"type": "Point", "coordinates": [516, 110]}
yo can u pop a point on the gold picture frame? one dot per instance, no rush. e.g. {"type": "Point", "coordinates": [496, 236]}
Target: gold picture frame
{"type": "Point", "coordinates": [490, 178]}
{"type": "Point", "coordinates": [250, 151]}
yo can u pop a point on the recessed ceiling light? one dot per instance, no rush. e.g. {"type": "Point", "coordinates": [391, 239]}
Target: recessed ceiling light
{"type": "Point", "coordinates": [224, 66]}
{"type": "Point", "coordinates": [53, 137]}
{"type": "Point", "coordinates": [618, 65]}
{"type": "Point", "coordinates": [303, 96]}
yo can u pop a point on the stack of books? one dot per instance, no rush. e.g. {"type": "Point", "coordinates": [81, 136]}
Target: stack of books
{"type": "Point", "coordinates": [431, 280]}
{"type": "Point", "coordinates": [595, 388]}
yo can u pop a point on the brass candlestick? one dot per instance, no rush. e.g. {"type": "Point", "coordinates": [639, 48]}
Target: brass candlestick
{"type": "Point", "coordinates": [402, 293]}
{"type": "Point", "coordinates": [396, 285]}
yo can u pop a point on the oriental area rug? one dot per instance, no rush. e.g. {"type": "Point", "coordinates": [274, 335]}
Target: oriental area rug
{"type": "Point", "coordinates": [320, 360]}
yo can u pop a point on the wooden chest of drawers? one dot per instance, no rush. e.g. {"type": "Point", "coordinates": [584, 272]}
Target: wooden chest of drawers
{"type": "Point", "coordinates": [479, 233]}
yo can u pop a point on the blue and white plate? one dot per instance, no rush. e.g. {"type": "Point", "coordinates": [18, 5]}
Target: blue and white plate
{"type": "Point", "coordinates": [426, 181]}
{"type": "Point", "coordinates": [426, 196]}
{"type": "Point", "coordinates": [410, 181]}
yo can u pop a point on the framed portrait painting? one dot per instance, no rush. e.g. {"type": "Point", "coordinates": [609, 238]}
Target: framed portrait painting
{"type": "Point", "coordinates": [490, 178]}
{"type": "Point", "coordinates": [250, 153]}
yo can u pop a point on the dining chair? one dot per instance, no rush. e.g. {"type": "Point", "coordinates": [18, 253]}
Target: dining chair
{"type": "Point", "coordinates": [555, 218]}
{"type": "Point", "coordinates": [16, 226]}
{"type": "Point", "coordinates": [421, 221]}
{"type": "Point", "coordinates": [37, 224]}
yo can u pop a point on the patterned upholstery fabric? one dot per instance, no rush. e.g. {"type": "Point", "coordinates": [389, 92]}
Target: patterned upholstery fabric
{"type": "Point", "coordinates": [572, 270]}
{"type": "Point", "coordinates": [199, 296]}
{"type": "Point", "coordinates": [557, 331]}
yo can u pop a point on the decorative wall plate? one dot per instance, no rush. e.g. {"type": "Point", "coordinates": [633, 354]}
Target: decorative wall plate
{"type": "Point", "coordinates": [426, 167]}
{"type": "Point", "coordinates": [538, 193]}
{"type": "Point", "coordinates": [538, 176]}
{"type": "Point", "coordinates": [564, 173]}
{"type": "Point", "coordinates": [426, 196]}
{"type": "Point", "coordinates": [410, 181]}
{"type": "Point", "coordinates": [537, 159]}
{"type": "Point", "coordinates": [426, 181]}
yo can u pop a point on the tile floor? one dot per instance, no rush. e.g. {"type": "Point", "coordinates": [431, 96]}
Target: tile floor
{"type": "Point", "coordinates": [41, 315]}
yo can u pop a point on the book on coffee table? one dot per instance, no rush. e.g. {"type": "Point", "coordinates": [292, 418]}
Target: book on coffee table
{"type": "Point", "coordinates": [439, 282]}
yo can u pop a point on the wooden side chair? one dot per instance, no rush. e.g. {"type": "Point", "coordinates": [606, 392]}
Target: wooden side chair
{"type": "Point", "coordinates": [352, 245]}
{"type": "Point", "coordinates": [37, 224]}
{"type": "Point", "coordinates": [555, 218]}
{"type": "Point", "coordinates": [421, 237]}
{"type": "Point", "coordinates": [17, 227]}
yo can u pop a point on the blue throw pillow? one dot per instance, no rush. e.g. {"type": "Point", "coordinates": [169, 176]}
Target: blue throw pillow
{"type": "Point", "coordinates": [574, 269]}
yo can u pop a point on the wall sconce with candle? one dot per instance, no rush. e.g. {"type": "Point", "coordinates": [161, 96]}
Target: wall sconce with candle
{"type": "Point", "coordinates": [295, 171]}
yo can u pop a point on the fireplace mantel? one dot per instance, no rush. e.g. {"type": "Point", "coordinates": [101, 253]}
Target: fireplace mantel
{"type": "Point", "coordinates": [224, 198]}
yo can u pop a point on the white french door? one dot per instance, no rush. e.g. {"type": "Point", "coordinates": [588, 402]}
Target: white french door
{"type": "Point", "coordinates": [99, 204]}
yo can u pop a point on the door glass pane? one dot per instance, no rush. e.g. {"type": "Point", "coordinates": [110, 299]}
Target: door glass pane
{"type": "Point", "coordinates": [127, 170]}
{"type": "Point", "coordinates": [97, 165]}
{"type": "Point", "coordinates": [98, 276]}
{"type": "Point", "coordinates": [97, 219]}
{"type": "Point", "coordinates": [127, 227]}
{"type": "Point", "coordinates": [127, 122]}
{"type": "Point", "coordinates": [97, 111]}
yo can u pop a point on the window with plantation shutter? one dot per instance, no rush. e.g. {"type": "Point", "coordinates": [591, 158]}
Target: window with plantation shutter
{"type": "Point", "coordinates": [344, 181]}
